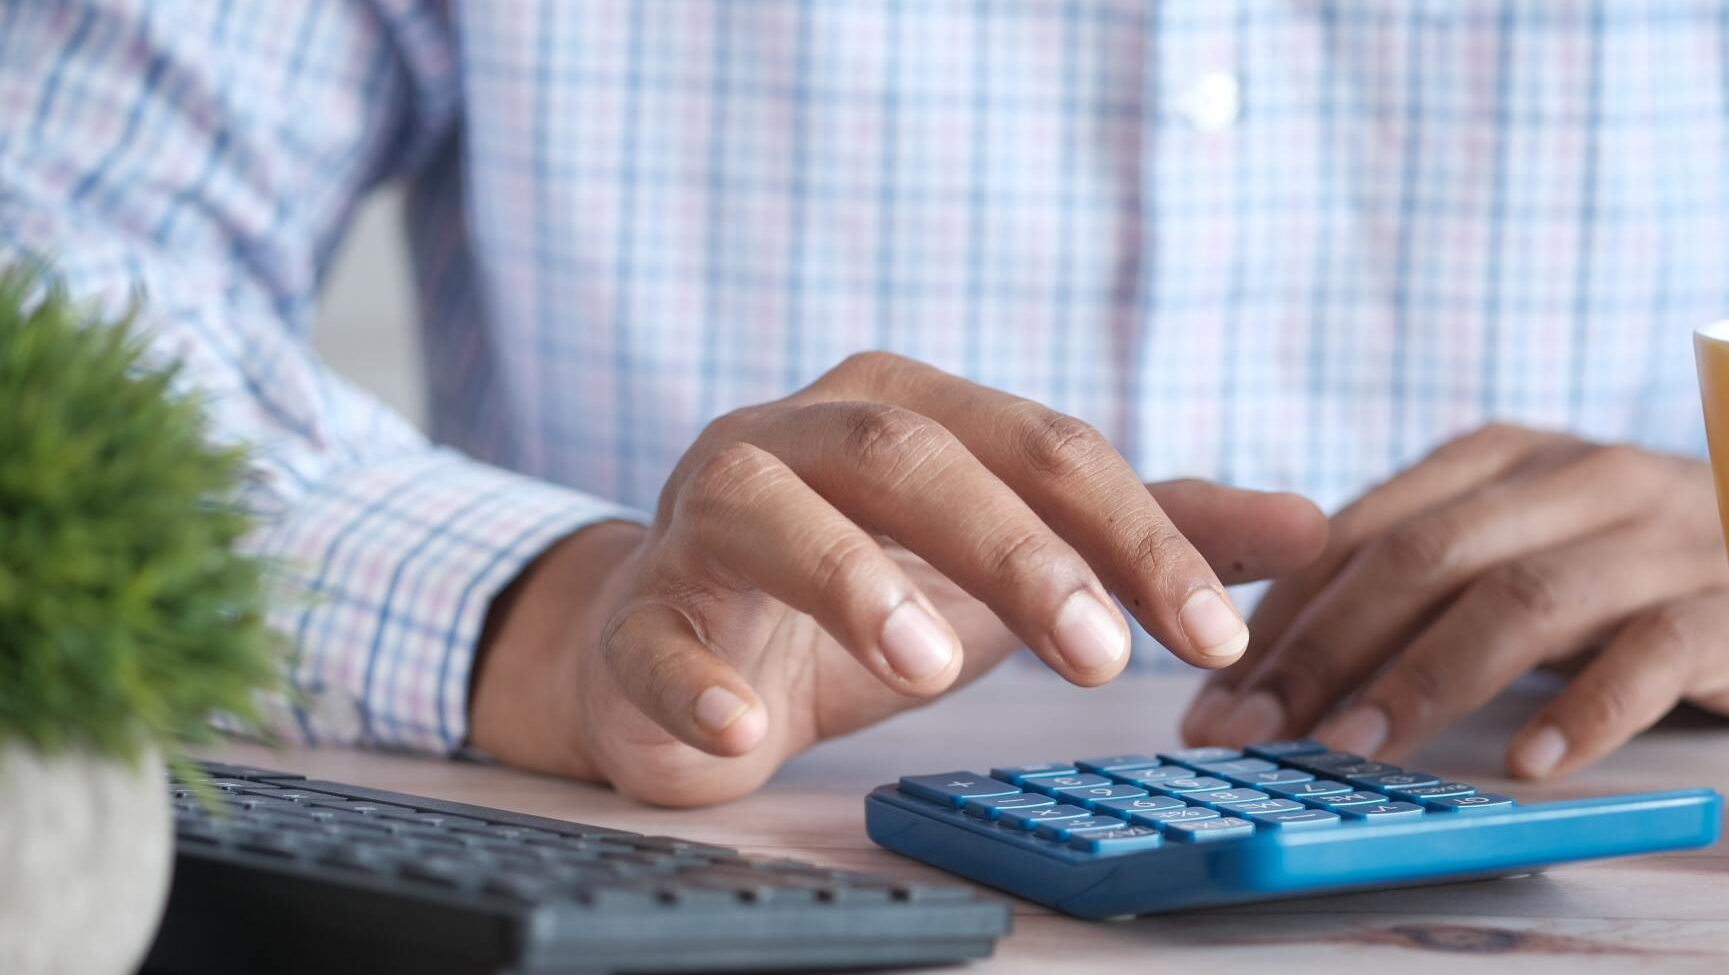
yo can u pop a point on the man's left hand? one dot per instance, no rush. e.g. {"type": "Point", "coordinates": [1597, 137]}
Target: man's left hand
{"type": "Point", "coordinates": [1504, 550]}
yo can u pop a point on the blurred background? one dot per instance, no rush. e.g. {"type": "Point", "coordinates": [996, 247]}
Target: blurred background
{"type": "Point", "coordinates": [366, 322]}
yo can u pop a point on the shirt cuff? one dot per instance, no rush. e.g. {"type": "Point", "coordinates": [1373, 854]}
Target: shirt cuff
{"type": "Point", "coordinates": [385, 574]}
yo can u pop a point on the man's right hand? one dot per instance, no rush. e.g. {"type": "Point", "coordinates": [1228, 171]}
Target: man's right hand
{"type": "Point", "coordinates": [818, 563]}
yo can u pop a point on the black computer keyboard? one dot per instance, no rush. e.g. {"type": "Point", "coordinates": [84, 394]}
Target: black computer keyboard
{"type": "Point", "coordinates": [285, 874]}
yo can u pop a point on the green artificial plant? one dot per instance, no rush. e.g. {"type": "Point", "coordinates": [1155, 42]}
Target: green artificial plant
{"type": "Point", "coordinates": [127, 616]}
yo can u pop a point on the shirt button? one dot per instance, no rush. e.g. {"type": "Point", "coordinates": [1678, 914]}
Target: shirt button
{"type": "Point", "coordinates": [1212, 103]}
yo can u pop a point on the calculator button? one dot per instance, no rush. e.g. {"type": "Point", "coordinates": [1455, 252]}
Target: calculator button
{"type": "Point", "coordinates": [953, 789]}
{"type": "Point", "coordinates": [1324, 761]}
{"type": "Point", "coordinates": [1193, 756]}
{"type": "Point", "coordinates": [1127, 807]}
{"type": "Point", "coordinates": [1394, 780]}
{"type": "Point", "coordinates": [1151, 776]}
{"type": "Point", "coordinates": [1418, 793]}
{"type": "Point", "coordinates": [1117, 763]}
{"type": "Point", "coordinates": [1236, 766]}
{"type": "Point", "coordinates": [1218, 797]}
{"type": "Point", "coordinates": [1279, 751]}
{"type": "Point", "coordinates": [1158, 817]}
{"type": "Point", "coordinates": [1481, 802]}
{"type": "Point", "coordinates": [1015, 773]}
{"type": "Point", "coordinates": [1053, 785]}
{"type": "Point", "coordinates": [1091, 795]}
{"type": "Point", "coordinates": [1355, 770]}
{"type": "Point", "coordinates": [1383, 812]}
{"type": "Point", "coordinates": [1278, 776]}
{"type": "Point", "coordinates": [1305, 790]}
{"type": "Point", "coordinates": [1346, 799]}
{"type": "Point", "coordinates": [1177, 787]}
{"type": "Point", "coordinates": [1062, 829]}
{"type": "Point", "coordinates": [1207, 830]}
{"type": "Point", "coordinates": [991, 807]}
{"type": "Point", "coordinates": [1128, 839]}
{"type": "Point", "coordinates": [1296, 819]}
{"type": "Point", "coordinates": [1031, 818]}
{"type": "Point", "coordinates": [1250, 807]}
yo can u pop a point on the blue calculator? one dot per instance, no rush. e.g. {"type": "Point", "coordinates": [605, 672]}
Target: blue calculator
{"type": "Point", "coordinates": [1200, 827]}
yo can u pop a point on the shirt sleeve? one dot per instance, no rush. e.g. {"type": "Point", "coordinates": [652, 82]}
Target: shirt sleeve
{"type": "Point", "coordinates": [205, 157]}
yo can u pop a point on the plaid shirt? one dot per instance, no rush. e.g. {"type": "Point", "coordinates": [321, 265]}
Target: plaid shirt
{"type": "Point", "coordinates": [1279, 244]}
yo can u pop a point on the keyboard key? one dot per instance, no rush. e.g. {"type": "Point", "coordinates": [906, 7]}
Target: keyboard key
{"type": "Point", "coordinates": [1063, 829]}
{"type": "Point", "coordinates": [1129, 839]}
{"type": "Point", "coordinates": [1053, 785]}
{"type": "Point", "coordinates": [1482, 802]}
{"type": "Point", "coordinates": [1215, 798]}
{"type": "Point", "coordinates": [1207, 830]}
{"type": "Point", "coordinates": [1158, 817]}
{"type": "Point", "coordinates": [990, 807]}
{"type": "Point", "coordinates": [1236, 766]}
{"type": "Point", "coordinates": [1090, 796]}
{"type": "Point", "coordinates": [1388, 781]}
{"type": "Point", "coordinates": [1441, 791]}
{"type": "Point", "coordinates": [1194, 756]}
{"type": "Point", "coordinates": [1278, 776]}
{"type": "Point", "coordinates": [1117, 763]}
{"type": "Point", "coordinates": [1256, 806]}
{"type": "Point", "coordinates": [1015, 773]}
{"type": "Point", "coordinates": [1345, 800]}
{"type": "Point", "coordinates": [1296, 819]}
{"type": "Point", "coordinates": [1279, 751]}
{"type": "Point", "coordinates": [953, 789]}
{"type": "Point", "coordinates": [1030, 819]}
{"type": "Point", "coordinates": [1305, 790]}
{"type": "Point", "coordinates": [1200, 783]}
{"type": "Point", "coordinates": [1383, 812]}
{"type": "Point", "coordinates": [1127, 807]}
{"type": "Point", "coordinates": [1151, 776]}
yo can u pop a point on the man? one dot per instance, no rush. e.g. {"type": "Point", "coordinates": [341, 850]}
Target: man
{"type": "Point", "coordinates": [687, 524]}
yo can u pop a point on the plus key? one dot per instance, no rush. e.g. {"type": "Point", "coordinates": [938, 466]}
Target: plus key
{"type": "Point", "coordinates": [953, 789]}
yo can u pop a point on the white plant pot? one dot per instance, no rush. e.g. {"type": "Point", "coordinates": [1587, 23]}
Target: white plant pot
{"type": "Point", "coordinates": [86, 845]}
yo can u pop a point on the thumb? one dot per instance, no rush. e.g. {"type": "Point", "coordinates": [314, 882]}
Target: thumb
{"type": "Point", "coordinates": [1244, 535]}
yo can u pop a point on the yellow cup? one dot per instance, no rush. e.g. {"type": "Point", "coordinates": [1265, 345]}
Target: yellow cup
{"type": "Point", "coordinates": [1711, 345]}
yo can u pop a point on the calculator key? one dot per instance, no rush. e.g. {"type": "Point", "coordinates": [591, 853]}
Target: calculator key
{"type": "Point", "coordinates": [1352, 770]}
{"type": "Point", "coordinates": [1177, 787]}
{"type": "Point", "coordinates": [1151, 776]}
{"type": "Point", "coordinates": [1015, 773]}
{"type": "Point", "coordinates": [1158, 817]}
{"type": "Point", "coordinates": [1296, 819]}
{"type": "Point", "coordinates": [1091, 795]}
{"type": "Point", "coordinates": [1394, 780]}
{"type": "Point", "coordinates": [1117, 763]}
{"type": "Point", "coordinates": [1217, 797]}
{"type": "Point", "coordinates": [1193, 756]}
{"type": "Point", "coordinates": [1236, 766]}
{"type": "Point", "coordinates": [1279, 751]}
{"type": "Point", "coordinates": [1324, 761]}
{"type": "Point", "coordinates": [1481, 802]}
{"type": "Point", "coordinates": [1305, 790]}
{"type": "Point", "coordinates": [1063, 829]}
{"type": "Point", "coordinates": [1207, 830]}
{"type": "Point", "coordinates": [1345, 800]}
{"type": "Point", "coordinates": [1053, 785]}
{"type": "Point", "coordinates": [953, 789]}
{"type": "Point", "coordinates": [1128, 839]}
{"type": "Point", "coordinates": [1251, 807]}
{"type": "Point", "coordinates": [1127, 807]}
{"type": "Point", "coordinates": [990, 807]}
{"type": "Point", "coordinates": [1278, 776]}
{"type": "Point", "coordinates": [1383, 812]}
{"type": "Point", "coordinates": [1418, 793]}
{"type": "Point", "coordinates": [1031, 818]}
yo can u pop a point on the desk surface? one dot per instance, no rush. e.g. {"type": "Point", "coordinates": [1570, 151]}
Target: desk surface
{"type": "Point", "coordinates": [1668, 912]}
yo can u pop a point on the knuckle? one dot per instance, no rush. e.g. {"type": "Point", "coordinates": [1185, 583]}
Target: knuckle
{"type": "Point", "coordinates": [1017, 557]}
{"type": "Point", "coordinates": [1304, 675]}
{"type": "Point", "coordinates": [881, 437]}
{"type": "Point", "coordinates": [1424, 682]}
{"type": "Point", "coordinates": [1421, 552]}
{"type": "Point", "coordinates": [1665, 633]}
{"type": "Point", "coordinates": [867, 368]}
{"type": "Point", "coordinates": [842, 567]}
{"type": "Point", "coordinates": [1156, 549]}
{"type": "Point", "coordinates": [716, 483]}
{"type": "Point", "coordinates": [1533, 590]}
{"type": "Point", "coordinates": [1062, 446]}
{"type": "Point", "coordinates": [1601, 705]}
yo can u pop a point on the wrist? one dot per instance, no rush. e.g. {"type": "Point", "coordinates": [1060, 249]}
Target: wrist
{"type": "Point", "coordinates": [524, 690]}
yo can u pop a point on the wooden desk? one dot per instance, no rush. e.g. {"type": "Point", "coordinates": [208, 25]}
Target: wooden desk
{"type": "Point", "coordinates": [1659, 913]}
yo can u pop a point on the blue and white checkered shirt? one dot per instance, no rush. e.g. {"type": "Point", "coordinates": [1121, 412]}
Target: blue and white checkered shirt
{"type": "Point", "coordinates": [1276, 243]}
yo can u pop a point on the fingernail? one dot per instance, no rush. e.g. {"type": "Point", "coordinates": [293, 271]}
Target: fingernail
{"type": "Point", "coordinates": [1258, 717]}
{"type": "Point", "coordinates": [1361, 731]}
{"type": "Point", "coordinates": [1212, 626]}
{"type": "Point", "coordinates": [717, 708]}
{"type": "Point", "coordinates": [1089, 635]}
{"type": "Point", "coordinates": [914, 643]}
{"type": "Point", "coordinates": [1541, 751]}
{"type": "Point", "coordinates": [1205, 713]}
